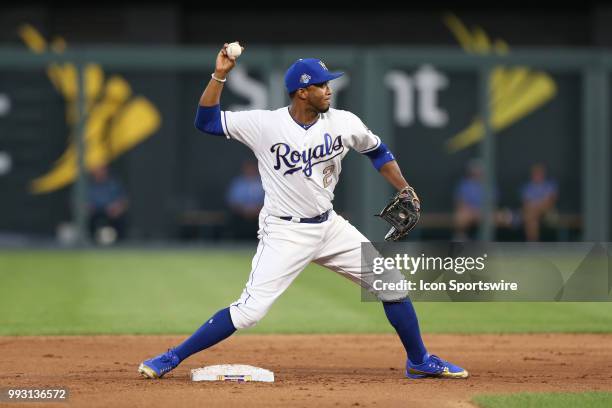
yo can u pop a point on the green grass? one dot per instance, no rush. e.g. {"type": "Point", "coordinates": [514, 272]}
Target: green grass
{"type": "Point", "coordinates": [545, 400]}
{"type": "Point", "coordinates": [163, 291]}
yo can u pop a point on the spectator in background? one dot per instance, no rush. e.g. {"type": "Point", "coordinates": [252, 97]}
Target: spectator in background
{"type": "Point", "coordinates": [468, 201]}
{"type": "Point", "coordinates": [245, 198]}
{"type": "Point", "coordinates": [108, 205]}
{"type": "Point", "coordinates": [539, 197]}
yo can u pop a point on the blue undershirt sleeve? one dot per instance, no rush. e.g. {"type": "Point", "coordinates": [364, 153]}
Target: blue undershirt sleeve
{"type": "Point", "coordinates": [208, 120]}
{"type": "Point", "coordinates": [380, 156]}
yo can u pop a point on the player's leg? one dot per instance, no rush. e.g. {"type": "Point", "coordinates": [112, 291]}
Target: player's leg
{"type": "Point", "coordinates": [217, 328]}
{"type": "Point", "coordinates": [281, 255]}
{"type": "Point", "coordinates": [343, 254]}
{"type": "Point", "coordinates": [247, 310]}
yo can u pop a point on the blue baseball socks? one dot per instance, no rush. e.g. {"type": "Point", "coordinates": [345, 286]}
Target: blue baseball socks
{"type": "Point", "coordinates": [217, 328]}
{"type": "Point", "coordinates": [403, 318]}
{"type": "Point", "coordinates": [401, 315]}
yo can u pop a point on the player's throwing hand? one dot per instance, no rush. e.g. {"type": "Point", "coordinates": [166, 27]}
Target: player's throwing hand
{"type": "Point", "coordinates": [224, 63]}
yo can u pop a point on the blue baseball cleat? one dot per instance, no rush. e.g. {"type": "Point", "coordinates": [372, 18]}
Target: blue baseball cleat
{"type": "Point", "coordinates": [434, 366]}
{"type": "Point", "coordinates": [159, 365]}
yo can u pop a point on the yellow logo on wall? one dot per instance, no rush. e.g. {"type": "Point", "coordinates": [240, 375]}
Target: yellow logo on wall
{"type": "Point", "coordinates": [515, 92]}
{"type": "Point", "coordinates": [116, 121]}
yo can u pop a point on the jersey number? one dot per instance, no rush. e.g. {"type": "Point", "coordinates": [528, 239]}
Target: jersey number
{"type": "Point", "coordinates": [329, 175]}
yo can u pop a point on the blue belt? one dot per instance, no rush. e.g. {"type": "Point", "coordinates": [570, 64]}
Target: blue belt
{"type": "Point", "coordinates": [314, 220]}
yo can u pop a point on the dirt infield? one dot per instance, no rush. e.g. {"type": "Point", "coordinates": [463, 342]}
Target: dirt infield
{"type": "Point", "coordinates": [310, 370]}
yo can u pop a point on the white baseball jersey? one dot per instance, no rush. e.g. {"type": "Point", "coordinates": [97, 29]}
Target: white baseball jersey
{"type": "Point", "coordinates": [299, 168]}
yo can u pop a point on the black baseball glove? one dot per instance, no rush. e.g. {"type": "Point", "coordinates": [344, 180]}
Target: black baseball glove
{"type": "Point", "coordinates": [402, 212]}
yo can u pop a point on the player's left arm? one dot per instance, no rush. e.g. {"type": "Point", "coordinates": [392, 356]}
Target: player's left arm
{"type": "Point", "coordinates": [392, 173]}
{"type": "Point", "coordinates": [383, 160]}
{"type": "Point", "coordinates": [367, 143]}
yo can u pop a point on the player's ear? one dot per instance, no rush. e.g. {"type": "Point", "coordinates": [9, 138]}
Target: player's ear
{"type": "Point", "coordinates": [302, 93]}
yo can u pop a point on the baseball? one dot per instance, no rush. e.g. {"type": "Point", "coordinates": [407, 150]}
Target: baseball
{"type": "Point", "coordinates": [234, 50]}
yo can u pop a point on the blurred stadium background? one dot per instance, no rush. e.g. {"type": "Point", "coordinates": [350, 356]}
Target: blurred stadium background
{"type": "Point", "coordinates": [97, 107]}
{"type": "Point", "coordinates": [114, 89]}
{"type": "Point", "coordinates": [447, 89]}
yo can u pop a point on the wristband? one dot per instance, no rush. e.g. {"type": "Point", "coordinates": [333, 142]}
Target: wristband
{"type": "Point", "coordinates": [217, 79]}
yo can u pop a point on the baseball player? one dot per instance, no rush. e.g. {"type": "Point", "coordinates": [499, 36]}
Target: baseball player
{"type": "Point", "coordinates": [299, 149]}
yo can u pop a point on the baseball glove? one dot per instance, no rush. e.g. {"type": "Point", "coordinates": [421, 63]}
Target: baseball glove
{"type": "Point", "coordinates": [402, 212]}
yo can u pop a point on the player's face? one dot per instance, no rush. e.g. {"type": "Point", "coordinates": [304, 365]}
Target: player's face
{"type": "Point", "coordinates": [319, 96]}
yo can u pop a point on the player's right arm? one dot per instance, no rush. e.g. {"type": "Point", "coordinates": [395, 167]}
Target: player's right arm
{"type": "Point", "coordinates": [243, 126]}
{"type": "Point", "coordinates": [223, 65]}
{"type": "Point", "coordinates": [208, 116]}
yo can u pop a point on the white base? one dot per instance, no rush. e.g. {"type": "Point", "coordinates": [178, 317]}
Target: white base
{"type": "Point", "coordinates": [232, 372]}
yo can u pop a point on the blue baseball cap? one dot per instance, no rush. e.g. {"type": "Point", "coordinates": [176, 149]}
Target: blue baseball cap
{"type": "Point", "coordinates": [306, 72]}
